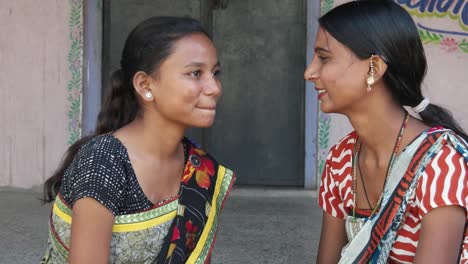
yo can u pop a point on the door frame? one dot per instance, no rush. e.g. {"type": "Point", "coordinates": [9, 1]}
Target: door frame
{"type": "Point", "coordinates": [92, 64]}
{"type": "Point", "coordinates": [311, 102]}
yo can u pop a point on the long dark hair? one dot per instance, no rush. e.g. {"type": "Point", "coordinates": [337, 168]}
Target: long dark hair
{"type": "Point", "coordinates": [146, 47]}
{"type": "Point", "coordinates": [384, 28]}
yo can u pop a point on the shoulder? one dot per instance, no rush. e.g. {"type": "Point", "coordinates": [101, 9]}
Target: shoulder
{"type": "Point", "coordinates": [447, 158]}
{"type": "Point", "coordinates": [338, 166]}
{"type": "Point", "coordinates": [445, 141]}
{"type": "Point", "coordinates": [343, 148]}
{"type": "Point", "coordinates": [105, 145]}
{"type": "Point", "coordinates": [444, 180]}
{"type": "Point", "coordinates": [336, 181]}
{"type": "Point", "coordinates": [448, 150]}
{"type": "Point", "coordinates": [438, 130]}
{"type": "Point", "coordinates": [201, 160]}
{"type": "Point", "coordinates": [101, 155]}
{"type": "Point", "coordinates": [105, 150]}
{"type": "Point", "coordinates": [346, 142]}
{"type": "Point", "coordinates": [209, 173]}
{"type": "Point", "coordinates": [195, 152]}
{"type": "Point", "coordinates": [98, 171]}
{"type": "Point", "coordinates": [445, 133]}
{"type": "Point", "coordinates": [450, 154]}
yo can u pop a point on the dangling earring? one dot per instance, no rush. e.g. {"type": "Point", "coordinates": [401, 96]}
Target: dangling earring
{"type": "Point", "coordinates": [370, 79]}
{"type": "Point", "coordinates": [148, 95]}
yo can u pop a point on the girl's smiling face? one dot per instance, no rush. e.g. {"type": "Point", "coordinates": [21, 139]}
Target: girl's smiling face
{"type": "Point", "coordinates": [186, 87]}
{"type": "Point", "coordinates": [338, 74]}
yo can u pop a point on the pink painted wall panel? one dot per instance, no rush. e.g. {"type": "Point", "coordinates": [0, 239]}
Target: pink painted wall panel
{"type": "Point", "coordinates": [33, 95]}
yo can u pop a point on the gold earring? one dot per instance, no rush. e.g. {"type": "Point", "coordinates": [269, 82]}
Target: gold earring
{"type": "Point", "coordinates": [371, 79]}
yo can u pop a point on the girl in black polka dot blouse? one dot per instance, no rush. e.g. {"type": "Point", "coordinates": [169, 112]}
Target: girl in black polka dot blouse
{"type": "Point", "coordinates": [138, 191]}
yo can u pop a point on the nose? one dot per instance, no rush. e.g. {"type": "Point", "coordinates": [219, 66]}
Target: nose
{"type": "Point", "coordinates": [213, 86]}
{"type": "Point", "coordinates": [311, 73]}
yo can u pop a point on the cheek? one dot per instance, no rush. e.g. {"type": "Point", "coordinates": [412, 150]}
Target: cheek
{"type": "Point", "coordinates": [340, 76]}
{"type": "Point", "coordinates": [329, 75]}
{"type": "Point", "coordinates": [190, 95]}
{"type": "Point", "coordinates": [186, 92]}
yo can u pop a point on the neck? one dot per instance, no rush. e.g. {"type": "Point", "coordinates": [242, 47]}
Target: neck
{"type": "Point", "coordinates": [378, 128]}
{"type": "Point", "coordinates": [156, 136]}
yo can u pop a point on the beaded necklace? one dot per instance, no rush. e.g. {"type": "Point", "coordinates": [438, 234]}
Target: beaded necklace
{"type": "Point", "coordinates": [390, 164]}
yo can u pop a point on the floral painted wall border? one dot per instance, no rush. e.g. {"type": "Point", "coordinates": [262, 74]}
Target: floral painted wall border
{"type": "Point", "coordinates": [455, 10]}
{"type": "Point", "coordinates": [324, 120]}
{"type": "Point", "coordinates": [75, 62]}
{"type": "Point", "coordinates": [449, 44]}
{"type": "Point", "coordinates": [327, 5]}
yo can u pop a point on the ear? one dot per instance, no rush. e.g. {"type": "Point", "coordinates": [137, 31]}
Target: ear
{"type": "Point", "coordinates": [142, 82]}
{"type": "Point", "coordinates": [380, 67]}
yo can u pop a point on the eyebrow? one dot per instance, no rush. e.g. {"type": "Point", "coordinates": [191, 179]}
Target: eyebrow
{"type": "Point", "coordinates": [200, 64]}
{"type": "Point", "coordinates": [317, 49]}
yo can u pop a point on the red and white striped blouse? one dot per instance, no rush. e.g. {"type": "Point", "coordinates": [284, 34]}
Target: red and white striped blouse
{"type": "Point", "coordinates": [444, 182]}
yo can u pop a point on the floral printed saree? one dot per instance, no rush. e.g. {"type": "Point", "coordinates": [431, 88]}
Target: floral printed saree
{"type": "Point", "coordinates": [180, 230]}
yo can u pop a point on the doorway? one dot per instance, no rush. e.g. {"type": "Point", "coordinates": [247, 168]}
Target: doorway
{"type": "Point", "coordinates": [259, 127]}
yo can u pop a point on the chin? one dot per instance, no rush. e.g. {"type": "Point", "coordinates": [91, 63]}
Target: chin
{"type": "Point", "coordinates": [203, 126]}
{"type": "Point", "coordinates": [325, 109]}
{"type": "Point", "coordinates": [203, 123]}
{"type": "Point", "coordinates": [205, 119]}
{"type": "Point", "coordinates": [206, 124]}
{"type": "Point", "coordinates": [329, 109]}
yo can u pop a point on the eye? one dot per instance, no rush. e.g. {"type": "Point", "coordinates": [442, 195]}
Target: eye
{"type": "Point", "coordinates": [322, 58]}
{"type": "Point", "coordinates": [216, 73]}
{"type": "Point", "coordinates": [196, 73]}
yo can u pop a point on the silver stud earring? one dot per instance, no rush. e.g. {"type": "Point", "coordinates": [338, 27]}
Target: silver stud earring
{"type": "Point", "coordinates": [371, 78]}
{"type": "Point", "coordinates": [148, 95]}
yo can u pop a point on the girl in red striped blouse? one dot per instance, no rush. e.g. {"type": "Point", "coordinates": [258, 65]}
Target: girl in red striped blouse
{"type": "Point", "coordinates": [395, 190]}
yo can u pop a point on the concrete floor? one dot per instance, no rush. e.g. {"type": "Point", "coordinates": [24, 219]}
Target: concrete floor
{"type": "Point", "coordinates": [273, 226]}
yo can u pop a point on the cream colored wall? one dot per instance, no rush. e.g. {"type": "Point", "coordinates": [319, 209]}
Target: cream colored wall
{"type": "Point", "coordinates": [446, 82]}
{"type": "Point", "coordinates": [33, 95]}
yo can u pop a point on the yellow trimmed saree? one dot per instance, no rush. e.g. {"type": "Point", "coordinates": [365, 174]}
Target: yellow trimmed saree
{"type": "Point", "coordinates": [180, 230]}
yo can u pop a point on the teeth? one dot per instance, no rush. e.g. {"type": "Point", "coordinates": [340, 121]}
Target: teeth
{"type": "Point", "coordinates": [321, 91]}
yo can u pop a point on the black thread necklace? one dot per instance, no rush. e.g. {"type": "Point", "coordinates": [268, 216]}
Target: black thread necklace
{"type": "Point", "coordinates": [390, 164]}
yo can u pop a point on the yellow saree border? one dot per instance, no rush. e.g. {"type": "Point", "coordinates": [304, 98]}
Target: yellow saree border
{"type": "Point", "coordinates": [128, 223]}
{"type": "Point", "coordinates": [57, 243]}
{"type": "Point", "coordinates": [223, 185]}
{"type": "Point", "coordinates": [119, 228]}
